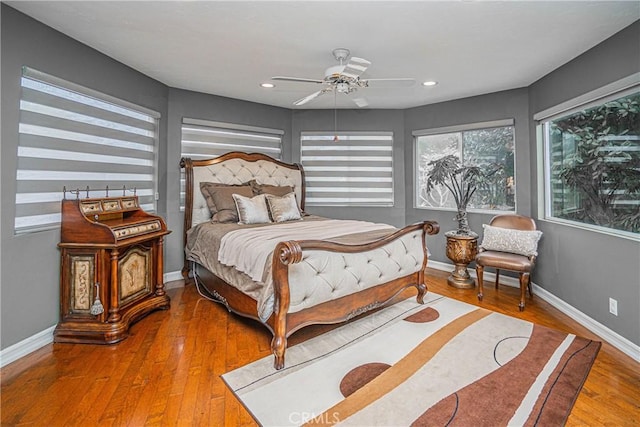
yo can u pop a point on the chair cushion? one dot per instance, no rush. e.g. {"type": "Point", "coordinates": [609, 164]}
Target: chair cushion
{"type": "Point", "coordinates": [504, 261]}
{"type": "Point", "coordinates": [509, 240]}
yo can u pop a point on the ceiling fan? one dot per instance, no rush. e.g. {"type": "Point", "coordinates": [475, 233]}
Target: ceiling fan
{"type": "Point", "coordinates": [345, 78]}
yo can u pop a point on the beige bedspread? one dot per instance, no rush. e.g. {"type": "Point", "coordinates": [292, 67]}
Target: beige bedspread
{"type": "Point", "coordinates": [203, 245]}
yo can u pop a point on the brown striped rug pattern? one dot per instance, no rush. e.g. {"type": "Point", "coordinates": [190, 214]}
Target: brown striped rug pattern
{"type": "Point", "coordinates": [444, 363]}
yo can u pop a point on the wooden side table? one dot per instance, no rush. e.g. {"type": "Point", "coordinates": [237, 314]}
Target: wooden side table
{"type": "Point", "coordinates": [461, 249]}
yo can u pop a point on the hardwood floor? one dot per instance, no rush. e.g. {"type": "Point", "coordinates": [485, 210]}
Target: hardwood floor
{"type": "Point", "coordinates": [168, 371]}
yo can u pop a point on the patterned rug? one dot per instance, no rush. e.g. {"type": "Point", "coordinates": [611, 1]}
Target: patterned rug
{"type": "Point", "coordinates": [442, 363]}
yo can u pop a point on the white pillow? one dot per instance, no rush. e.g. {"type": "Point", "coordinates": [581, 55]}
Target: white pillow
{"type": "Point", "coordinates": [252, 210]}
{"type": "Point", "coordinates": [283, 208]}
{"type": "Point", "coordinates": [507, 240]}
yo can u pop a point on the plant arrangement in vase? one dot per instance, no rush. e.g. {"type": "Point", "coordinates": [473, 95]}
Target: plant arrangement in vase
{"type": "Point", "coordinates": [461, 181]}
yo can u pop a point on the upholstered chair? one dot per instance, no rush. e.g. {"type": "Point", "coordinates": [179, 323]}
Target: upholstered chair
{"type": "Point", "coordinates": [509, 242]}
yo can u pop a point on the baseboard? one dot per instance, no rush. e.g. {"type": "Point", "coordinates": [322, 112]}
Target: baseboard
{"type": "Point", "coordinates": [26, 346]}
{"type": "Point", "coordinates": [621, 343]}
{"type": "Point", "coordinates": [616, 340]}
{"type": "Point", "coordinates": [171, 278]}
{"type": "Point", "coordinates": [488, 276]}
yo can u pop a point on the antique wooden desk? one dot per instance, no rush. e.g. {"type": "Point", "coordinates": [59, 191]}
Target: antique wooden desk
{"type": "Point", "coordinates": [111, 268]}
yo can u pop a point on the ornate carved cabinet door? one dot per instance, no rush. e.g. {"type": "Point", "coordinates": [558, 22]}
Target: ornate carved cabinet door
{"type": "Point", "coordinates": [135, 274]}
{"type": "Point", "coordinates": [80, 269]}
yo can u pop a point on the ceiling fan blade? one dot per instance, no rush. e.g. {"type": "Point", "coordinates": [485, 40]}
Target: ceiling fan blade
{"type": "Point", "coordinates": [389, 82]}
{"type": "Point", "coordinates": [361, 102]}
{"type": "Point", "coordinates": [296, 79]}
{"type": "Point", "coordinates": [355, 67]}
{"type": "Point", "coordinates": [310, 97]}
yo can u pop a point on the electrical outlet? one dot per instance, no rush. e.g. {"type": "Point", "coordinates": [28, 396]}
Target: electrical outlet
{"type": "Point", "coordinates": [613, 306]}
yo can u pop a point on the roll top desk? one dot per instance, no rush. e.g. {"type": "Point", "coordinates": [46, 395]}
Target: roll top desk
{"type": "Point", "coordinates": [111, 268]}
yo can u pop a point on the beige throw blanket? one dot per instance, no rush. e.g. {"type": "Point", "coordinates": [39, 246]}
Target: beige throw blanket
{"type": "Point", "coordinates": [248, 249]}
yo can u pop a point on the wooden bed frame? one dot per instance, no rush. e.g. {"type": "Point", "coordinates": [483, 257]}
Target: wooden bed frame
{"type": "Point", "coordinates": [282, 323]}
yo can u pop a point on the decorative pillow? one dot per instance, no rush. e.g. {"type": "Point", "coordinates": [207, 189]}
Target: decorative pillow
{"type": "Point", "coordinates": [283, 208]}
{"type": "Point", "coordinates": [507, 240]}
{"type": "Point", "coordinates": [252, 210]}
{"type": "Point", "coordinates": [204, 189]}
{"type": "Point", "coordinates": [219, 198]}
{"type": "Point", "coordinates": [269, 189]}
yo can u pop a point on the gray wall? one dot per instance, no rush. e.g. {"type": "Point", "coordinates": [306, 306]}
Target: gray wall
{"type": "Point", "coordinates": [582, 267]}
{"type": "Point", "coordinates": [359, 120]}
{"type": "Point", "coordinates": [30, 262]}
{"type": "Point", "coordinates": [196, 105]}
{"type": "Point", "coordinates": [494, 106]}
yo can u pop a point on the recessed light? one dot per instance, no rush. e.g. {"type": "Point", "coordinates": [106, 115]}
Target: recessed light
{"type": "Point", "coordinates": [267, 85]}
{"type": "Point", "coordinates": [429, 83]}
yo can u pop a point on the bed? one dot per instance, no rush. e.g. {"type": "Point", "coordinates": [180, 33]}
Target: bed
{"type": "Point", "coordinates": [338, 270]}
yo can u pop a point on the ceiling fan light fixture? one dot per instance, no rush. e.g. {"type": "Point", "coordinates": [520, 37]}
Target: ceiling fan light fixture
{"type": "Point", "coordinates": [343, 88]}
{"type": "Point", "coordinates": [346, 78]}
{"type": "Point", "coordinates": [429, 83]}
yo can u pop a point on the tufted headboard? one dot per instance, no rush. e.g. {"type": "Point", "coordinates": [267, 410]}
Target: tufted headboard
{"type": "Point", "coordinates": [235, 168]}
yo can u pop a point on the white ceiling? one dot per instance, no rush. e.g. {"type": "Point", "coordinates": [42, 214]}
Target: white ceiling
{"type": "Point", "coordinates": [229, 48]}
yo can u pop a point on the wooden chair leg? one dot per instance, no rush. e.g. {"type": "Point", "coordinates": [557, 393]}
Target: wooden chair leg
{"type": "Point", "coordinates": [479, 273]}
{"type": "Point", "coordinates": [497, 278]}
{"type": "Point", "coordinates": [524, 279]}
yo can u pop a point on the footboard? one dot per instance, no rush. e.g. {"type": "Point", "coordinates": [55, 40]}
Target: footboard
{"type": "Point", "coordinates": [333, 282]}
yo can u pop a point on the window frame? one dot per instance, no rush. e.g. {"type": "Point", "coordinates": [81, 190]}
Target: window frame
{"type": "Point", "coordinates": [599, 96]}
{"type": "Point", "coordinates": [455, 129]}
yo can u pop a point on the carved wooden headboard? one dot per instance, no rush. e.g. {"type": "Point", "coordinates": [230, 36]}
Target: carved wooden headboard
{"type": "Point", "coordinates": [235, 168]}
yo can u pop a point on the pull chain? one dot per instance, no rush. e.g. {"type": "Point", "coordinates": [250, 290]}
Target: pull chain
{"type": "Point", "coordinates": [335, 117]}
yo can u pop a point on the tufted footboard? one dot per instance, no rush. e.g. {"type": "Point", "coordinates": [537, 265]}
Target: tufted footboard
{"type": "Point", "coordinates": [325, 282]}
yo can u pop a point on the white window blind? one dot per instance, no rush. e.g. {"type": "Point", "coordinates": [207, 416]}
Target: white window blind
{"type": "Point", "coordinates": [356, 170]}
{"type": "Point", "coordinates": [204, 139]}
{"type": "Point", "coordinates": [74, 137]}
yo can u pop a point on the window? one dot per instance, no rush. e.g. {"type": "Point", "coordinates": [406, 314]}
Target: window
{"type": "Point", "coordinates": [489, 145]}
{"type": "Point", "coordinates": [75, 137]}
{"type": "Point", "coordinates": [203, 139]}
{"type": "Point", "coordinates": [592, 162]}
{"type": "Point", "coordinates": [356, 170]}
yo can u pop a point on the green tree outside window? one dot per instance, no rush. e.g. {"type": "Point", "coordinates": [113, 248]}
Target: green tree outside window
{"type": "Point", "coordinates": [595, 165]}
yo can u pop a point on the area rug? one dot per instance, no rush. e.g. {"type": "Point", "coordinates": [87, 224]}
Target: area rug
{"type": "Point", "coordinates": [438, 364]}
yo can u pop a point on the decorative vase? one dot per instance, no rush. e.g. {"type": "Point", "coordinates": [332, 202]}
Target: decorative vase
{"type": "Point", "coordinates": [461, 249]}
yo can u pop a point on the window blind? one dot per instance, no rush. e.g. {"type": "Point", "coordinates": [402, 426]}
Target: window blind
{"type": "Point", "coordinates": [357, 170]}
{"type": "Point", "coordinates": [204, 139]}
{"type": "Point", "coordinates": [74, 137]}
